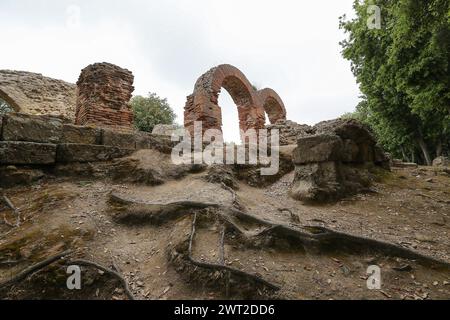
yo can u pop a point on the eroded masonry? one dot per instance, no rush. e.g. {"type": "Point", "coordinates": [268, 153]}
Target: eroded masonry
{"type": "Point", "coordinates": [60, 124]}
{"type": "Point", "coordinates": [203, 104]}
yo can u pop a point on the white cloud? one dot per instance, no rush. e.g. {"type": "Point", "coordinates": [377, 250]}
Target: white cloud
{"type": "Point", "coordinates": [291, 46]}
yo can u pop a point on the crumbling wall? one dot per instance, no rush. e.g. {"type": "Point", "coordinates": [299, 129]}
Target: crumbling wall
{"type": "Point", "coordinates": [32, 93]}
{"type": "Point", "coordinates": [335, 159]}
{"type": "Point", "coordinates": [203, 105]}
{"type": "Point", "coordinates": [29, 142]}
{"type": "Point", "coordinates": [104, 91]}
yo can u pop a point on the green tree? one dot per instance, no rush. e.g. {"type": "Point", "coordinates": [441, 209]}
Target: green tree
{"type": "Point", "coordinates": [150, 111]}
{"type": "Point", "coordinates": [403, 70]}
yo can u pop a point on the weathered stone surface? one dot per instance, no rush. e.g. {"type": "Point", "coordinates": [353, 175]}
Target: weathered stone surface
{"type": "Point", "coordinates": [12, 152]}
{"type": "Point", "coordinates": [316, 182]}
{"type": "Point", "coordinates": [203, 106]}
{"type": "Point", "coordinates": [118, 139]}
{"type": "Point", "coordinates": [162, 143]}
{"type": "Point", "coordinates": [88, 153]}
{"type": "Point", "coordinates": [441, 162]}
{"type": "Point", "coordinates": [318, 148]}
{"type": "Point", "coordinates": [80, 134]}
{"type": "Point", "coordinates": [104, 91]}
{"type": "Point", "coordinates": [336, 161]}
{"type": "Point", "coordinates": [347, 129]}
{"type": "Point", "coordinates": [381, 158]}
{"type": "Point", "coordinates": [22, 127]}
{"type": "Point", "coordinates": [140, 168]}
{"type": "Point", "coordinates": [350, 151]}
{"type": "Point", "coordinates": [290, 131]}
{"type": "Point", "coordinates": [32, 93]}
{"type": "Point", "coordinates": [11, 176]}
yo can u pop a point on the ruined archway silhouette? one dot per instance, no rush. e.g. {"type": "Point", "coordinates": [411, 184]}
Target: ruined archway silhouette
{"type": "Point", "coordinates": [203, 105]}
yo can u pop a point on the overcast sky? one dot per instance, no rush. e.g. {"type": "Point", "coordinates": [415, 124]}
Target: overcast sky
{"type": "Point", "coordinates": [290, 46]}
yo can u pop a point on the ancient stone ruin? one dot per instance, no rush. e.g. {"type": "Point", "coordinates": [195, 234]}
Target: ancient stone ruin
{"type": "Point", "coordinates": [32, 93]}
{"type": "Point", "coordinates": [104, 91]}
{"type": "Point", "coordinates": [331, 160]}
{"type": "Point", "coordinates": [202, 105]}
{"type": "Point", "coordinates": [334, 159]}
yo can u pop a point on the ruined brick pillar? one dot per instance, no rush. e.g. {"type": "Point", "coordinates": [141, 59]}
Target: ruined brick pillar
{"type": "Point", "coordinates": [104, 91]}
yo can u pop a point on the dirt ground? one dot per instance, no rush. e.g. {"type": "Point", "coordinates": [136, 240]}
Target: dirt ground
{"type": "Point", "coordinates": [408, 207]}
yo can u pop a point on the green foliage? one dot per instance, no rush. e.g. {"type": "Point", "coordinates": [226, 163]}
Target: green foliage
{"type": "Point", "coordinates": [403, 70]}
{"type": "Point", "coordinates": [150, 111]}
{"type": "Point", "coordinates": [4, 107]}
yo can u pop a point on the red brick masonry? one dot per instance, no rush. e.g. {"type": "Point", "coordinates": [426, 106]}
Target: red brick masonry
{"type": "Point", "coordinates": [203, 106]}
{"type": "Point", "coordinates": [104, 91]}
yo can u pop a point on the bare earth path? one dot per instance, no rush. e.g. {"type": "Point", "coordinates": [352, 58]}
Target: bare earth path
{"type": "Point", "coordinates": [409, 208]}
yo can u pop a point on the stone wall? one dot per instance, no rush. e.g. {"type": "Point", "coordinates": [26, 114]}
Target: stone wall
{"type": "Point", "coordinates": [104, 92]}
{"type": "Point", "coordinates": [29, 141]}
{"type": "Point", "coordinates": [335, 159]}
{"type": "Point", "coordinates": [32, 93]}
{"type": "Point", "coordinates": [203, 105]}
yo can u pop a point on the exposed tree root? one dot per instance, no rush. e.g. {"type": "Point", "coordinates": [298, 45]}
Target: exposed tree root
{"type": "Point", "coordinates": [107, 270]}
{"type": "Point", "coordinates": [128, 211]}
{"type": "Point", "coordinates": [219, 267]}
{"type": "Point", "coordinates": [34, 268]}
{"type": "Point", "coordinates": [14, 209]}
{"type": "Point", "coordinates": [217, 273]}
{"type": "Point", "coordinates": [319, 237]}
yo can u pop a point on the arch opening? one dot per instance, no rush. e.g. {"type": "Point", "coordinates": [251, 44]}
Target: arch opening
{"type": "Point", "coordinates": [203, 104]}
{"type": "Point", "coordinates": [230, 118]}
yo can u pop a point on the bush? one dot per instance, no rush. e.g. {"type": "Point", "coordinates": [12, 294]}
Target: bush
{"type": "Point", "coordinates": [150, 111]}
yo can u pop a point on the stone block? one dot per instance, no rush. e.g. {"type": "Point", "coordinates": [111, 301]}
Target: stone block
{"type": "Point", "coordinates": [118, 139]}
{"type": "Point", "coordinates": [80, 134]}
{"type": "Point", "coordinates": [318, 148]}
{"type": "Point", "coordinates": [14, 152]}
{"type": "Point", "coordinates": [88, 153]}
{"type": "Point", "coordinates": [22, 127]}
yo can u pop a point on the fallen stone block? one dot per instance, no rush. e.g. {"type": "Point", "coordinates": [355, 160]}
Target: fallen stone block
{"type": "Point", "coordinates": [80, 134]}
{"type": "Point", "coordinates": [14, 152]}
{"type": "Point", "coordinates": [316, 182]}
{"type": "Point", "coordinates": [88, 153]}
{"type": "Point", "coordinates": [318, 148]}
{"type": "Point", "coordinates": [41, 129]}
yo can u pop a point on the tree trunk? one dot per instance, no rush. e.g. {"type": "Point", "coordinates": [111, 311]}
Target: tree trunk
{"type": "Point", "coordinates": [439, 148]}
{"type": "Point", "coordinates": [405, 157]}
{"type": "Point", "coordinates": [424, 149]}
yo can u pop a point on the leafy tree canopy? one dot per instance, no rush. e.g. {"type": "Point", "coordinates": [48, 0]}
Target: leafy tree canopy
{"type": "Point", "coordinates": [150, 111]}
{"type": "Point", "coordinates": [403, 70]}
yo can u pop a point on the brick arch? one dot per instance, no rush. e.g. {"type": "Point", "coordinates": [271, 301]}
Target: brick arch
{"type": "Point", "coordinates": [273, 105]}
{"type": "Point", "coordinates": [202, 105]}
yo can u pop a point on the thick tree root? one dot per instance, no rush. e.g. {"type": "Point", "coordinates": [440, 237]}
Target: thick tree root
{"type": "Point", "coordinates": [132, 212]}
{"type": "Point", "coordinates": [217, 273]}
{"type": "Point", "coordinates": [221, 267]}
{"type": "Point", "coordinates": [107, 270]}
{"type": "Point", "coordinates": [33, 269]}
{"type": "Point", "coordinates": [319, 237]}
